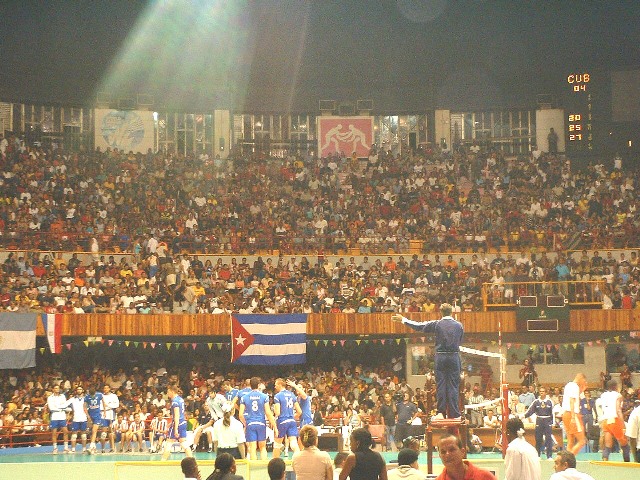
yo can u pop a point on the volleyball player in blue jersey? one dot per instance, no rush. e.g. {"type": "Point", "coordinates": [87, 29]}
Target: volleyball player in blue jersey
{"type": "Point", "coordinates": [94, 403]}
{"type": "Point", "coordinates": [255, 405]}
{"type": "Point", "coordinates": [178, 424]}
{"type": "Point", "coordinates": [285, 407]}
{"type": "Point", "coordinates": [304, 400]}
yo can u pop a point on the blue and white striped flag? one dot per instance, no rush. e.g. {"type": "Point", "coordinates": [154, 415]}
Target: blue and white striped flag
{"type": "Point", "coordinates": [269, 339]}
{"type": "Point", "coordinates": [17, 340]}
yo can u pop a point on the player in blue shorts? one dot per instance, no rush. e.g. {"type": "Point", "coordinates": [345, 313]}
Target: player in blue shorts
{"type": "Point", "coordinates": [304, 400]}
{"type": "Point", "coordinates": [79, 420]}
{"type": "Point", "coordinates": [93, 401]}
{"type": "Point", "coordinates": [110, 403]}
{"type": "Point", "coordinates": [57, 404]}
{"type": "Point", "coordinates": [178, 423]}
{"type": "Point", "coordinates": [255, 405]}
{"type": "Point", "coordinates": [285, 407]}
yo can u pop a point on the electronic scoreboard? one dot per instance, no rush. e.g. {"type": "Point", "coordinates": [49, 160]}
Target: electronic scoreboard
{"type": "Point", "coordinates": [579, 111]}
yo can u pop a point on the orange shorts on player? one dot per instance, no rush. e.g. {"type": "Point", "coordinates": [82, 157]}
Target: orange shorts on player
{"type": "Point", "coordinates": [572, 427]}
{"type": "Point", "coordinates": [617, 430]}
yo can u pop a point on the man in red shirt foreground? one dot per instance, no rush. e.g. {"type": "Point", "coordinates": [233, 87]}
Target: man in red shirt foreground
{"type": "Point", "coordinates": [451, 452]}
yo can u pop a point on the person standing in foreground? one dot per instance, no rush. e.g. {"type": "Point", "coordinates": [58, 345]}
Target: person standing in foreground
{"type": "Point", "coordinates": [451, 453]}
{"type": "Point", "coordinates": [571, 418]}
{"type": "Point", "coordinates": [178, 427]}
{"type": "Point", "coordinates": [449, 333]}
{"type": "Point", "coordinates": [613, 421]}
{"type": "Point", "coordinates": [363, 463]}
{"type": "Point", "coordinates": [521, 461]}
{"type": "Point", "coordinates": [228, 434]}
{"type": "Point", "coordinates": [543, 408]}
{"type": "Point", "coordinates": [565, 467]}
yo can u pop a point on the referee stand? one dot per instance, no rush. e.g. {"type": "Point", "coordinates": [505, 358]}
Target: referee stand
{"type": "Point", "coordinates": [457, 427]}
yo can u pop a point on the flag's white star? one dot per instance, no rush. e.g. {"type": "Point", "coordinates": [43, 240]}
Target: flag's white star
{"type": "Point", "coordinates": [240, 340]}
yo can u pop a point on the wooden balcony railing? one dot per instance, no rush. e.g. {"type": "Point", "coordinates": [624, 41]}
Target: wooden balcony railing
{"type": "Point", "coordinates": [321, 324]}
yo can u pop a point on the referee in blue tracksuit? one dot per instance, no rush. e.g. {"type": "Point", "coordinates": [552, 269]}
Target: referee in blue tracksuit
{"type": "Point", "coordinates": [449, 333]}
{"type": "Point", "coordinates": [543, 408]}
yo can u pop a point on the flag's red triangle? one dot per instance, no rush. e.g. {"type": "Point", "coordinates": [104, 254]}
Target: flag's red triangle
{"type": "Point", "coordinates": [241, 339]}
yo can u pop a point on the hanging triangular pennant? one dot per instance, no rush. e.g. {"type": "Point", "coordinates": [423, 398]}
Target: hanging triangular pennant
{"type": "Point", "coordinates": [194, 345]}
{"type": "Point", "coordinates": [342, 342]}
{"type": "Point", "coordinates": [210, 345]}
{"type": "Point", "coordinates": [316, 342]}
{"type": "Point", "coordinates": [326, 342]}
{"type": "Point", "coordinates": [110, 342]}
{"type": "Point", "coordinates": [168, 346]}
{"type": "Point", "coordinates": [68, 345]}
{"type": "Point", "coordinates": [617, 338]}
{"type": "Point", "coordinates": [219, 345]}
{"type": "Point", "coordinates": [86, 343]}
{"type": "Point", "coordinates": [575, 345]}
{"type": "Point", "coordinates": [42, 350]}
{"type": "Point", "coordinates": [334, 343]}
{"type": "Point", "coordinates": [153, 344]}
{"type": "Point", "coordinates": [135, 344]}
{"type": "Point", "coordinates": [366, 342]}
{"type": "Point", "coordinates": [590, 344]}
{"type": "Point", "coordinates": [358, 342]}
{"type": "Point", "coordinates": [398, 340]}
{"type": "Point", "coordinates": [127, 342]}
{"type": "Point", "coordinates": [382, 341]}
{"type": "Point", "coordinates": [375, 340]}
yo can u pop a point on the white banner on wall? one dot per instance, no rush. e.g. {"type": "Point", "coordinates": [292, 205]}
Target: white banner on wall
{"type": "Point", "coordinates": [128, 130]}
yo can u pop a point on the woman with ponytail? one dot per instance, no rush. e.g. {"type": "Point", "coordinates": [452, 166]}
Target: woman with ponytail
{"type": "Point", "coordinates": [521, 461]}
{"type": "Point", "coordinates": [363, 463]}
{"type": "Point", "coordinates": [311, 463]}
{"type": "Point", "coordinates": [228, 434]}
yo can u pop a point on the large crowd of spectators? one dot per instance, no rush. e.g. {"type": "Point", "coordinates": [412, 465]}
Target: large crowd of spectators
{"type": "Point", "coordinates": [165, 210]}
{"type": "Point", "coordinates": [340, 391]}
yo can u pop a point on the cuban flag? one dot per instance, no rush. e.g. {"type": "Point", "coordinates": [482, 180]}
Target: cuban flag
{"type": "Point", "coordinates": [269, 339]}
{"type": "Point", "coordinates": [53, 327]}
{"type": "Point", "coordinates": [17, 340]}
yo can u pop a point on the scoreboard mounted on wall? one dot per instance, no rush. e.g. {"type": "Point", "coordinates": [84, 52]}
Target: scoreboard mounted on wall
{"type": "Point", "coordinates": [579, 112]}
{"type": "Point", "coordinates": [542, 313]}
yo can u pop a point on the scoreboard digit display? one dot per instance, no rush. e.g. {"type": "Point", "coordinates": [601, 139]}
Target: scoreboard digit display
{"type": "Point", "coordinates": [579, 112]}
